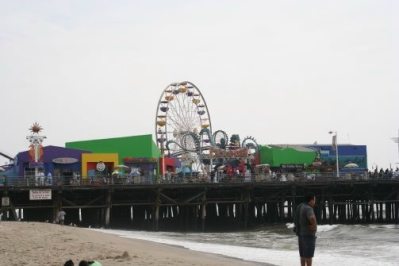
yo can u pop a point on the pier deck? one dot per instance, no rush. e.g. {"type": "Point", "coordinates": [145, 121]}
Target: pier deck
{"type": "Point", "coordinates": [204, 206]}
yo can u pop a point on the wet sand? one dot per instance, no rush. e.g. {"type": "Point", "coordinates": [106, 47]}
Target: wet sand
{"type": "Point", "coordinates": [30, 243]}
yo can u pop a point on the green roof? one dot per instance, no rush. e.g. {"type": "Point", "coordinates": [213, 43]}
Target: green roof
{"type": "Point", "coordinates": [131, 146]}
{"type": "Point", "coordinates": [275, 156]}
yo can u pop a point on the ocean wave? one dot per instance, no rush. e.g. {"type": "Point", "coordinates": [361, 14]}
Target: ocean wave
{"type": "Point", "coordinates": [281, 257]}
{"type": "Point", "coordinates": [320, 228]}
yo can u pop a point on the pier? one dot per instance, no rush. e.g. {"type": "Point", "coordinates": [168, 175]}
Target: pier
{"type": "Point", "coordinates": [203, 206]}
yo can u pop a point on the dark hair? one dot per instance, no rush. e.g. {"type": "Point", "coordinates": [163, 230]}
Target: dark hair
{"type": "Point", "coordinates": [309, 196]}
{"type": "Point", "coordinates": [69, 263]}
{"type": "Point", "coordinates": [83, 263]}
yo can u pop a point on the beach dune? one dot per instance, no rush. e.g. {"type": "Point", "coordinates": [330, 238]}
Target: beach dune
{"type": "Point", "coordinates": [31, 243]}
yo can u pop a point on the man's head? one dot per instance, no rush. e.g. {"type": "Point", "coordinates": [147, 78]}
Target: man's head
{"type": "Point", "coordinates": [84, 263]}
{"type": "Point", "coordinates": [310, 199]}
{"type": "Point", "coordinates": [69, 263]}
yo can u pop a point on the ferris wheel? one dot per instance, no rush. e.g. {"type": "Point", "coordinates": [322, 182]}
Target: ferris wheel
{"type": "Point", "coordinates": [182, 115]}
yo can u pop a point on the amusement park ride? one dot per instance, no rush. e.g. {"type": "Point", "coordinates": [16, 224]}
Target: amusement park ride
{"type": "Point", "coordinates": [183, 131]}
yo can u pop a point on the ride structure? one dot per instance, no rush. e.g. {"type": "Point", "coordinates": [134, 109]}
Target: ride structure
{"type": "Point", "coordinates": [183, 131]}
{"type": "Point", "coordinates": [35, 147]}
{"type": "Point", "coordinates": [181, 115]}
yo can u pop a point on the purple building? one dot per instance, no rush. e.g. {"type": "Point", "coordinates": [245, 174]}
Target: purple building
{"type": "Point", "coordinates": [59, 161]}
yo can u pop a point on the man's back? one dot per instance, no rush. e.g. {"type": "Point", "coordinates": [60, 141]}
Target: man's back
{"type": "Point", "coordinates": [306, 227]}
{"type": "Point", "coordinates": [305, 214]}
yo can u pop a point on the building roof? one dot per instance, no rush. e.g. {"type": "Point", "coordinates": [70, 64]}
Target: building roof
{"type": "Point", "coordinates": [141, 146]}
{"type": "Point", "coordinates": [50, 152]}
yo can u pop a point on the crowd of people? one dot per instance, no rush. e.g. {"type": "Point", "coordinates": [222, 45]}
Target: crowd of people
{"type": "Point", "coordinates": [221, 174]}
{"type": "Point", "coordinates": [42, 180]}
{"type": "Point", "coordinates": [388, 173]}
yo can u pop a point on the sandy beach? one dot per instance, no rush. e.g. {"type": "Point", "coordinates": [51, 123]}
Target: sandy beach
{"type": "Point", "coordinates": [30, 243]}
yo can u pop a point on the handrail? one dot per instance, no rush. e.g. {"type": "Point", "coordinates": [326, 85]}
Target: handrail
{"type": "Point", "coordinates": [32, 182]}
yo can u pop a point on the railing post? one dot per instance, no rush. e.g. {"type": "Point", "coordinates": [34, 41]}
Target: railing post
{"type": "Point", "coordinates": [57, 205]}
{"type": "Point", "coordinates": [156, 210]}
{"type": "Point", "coordinates": [203, 211]}
{"type": "Point", "coordinates": [108, 207]}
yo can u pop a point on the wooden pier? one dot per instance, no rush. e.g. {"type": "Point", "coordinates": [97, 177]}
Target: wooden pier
{"type": "Point", "coordinates": [205, 206]}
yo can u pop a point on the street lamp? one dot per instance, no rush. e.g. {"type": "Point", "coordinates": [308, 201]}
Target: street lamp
{"type": "Point", "coordinates": [335, 144]}
{"type": "Point", "coordinates": [396, 140]}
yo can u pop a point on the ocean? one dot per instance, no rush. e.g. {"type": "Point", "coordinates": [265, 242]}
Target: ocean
{"type": "Point", "coordinates": [352, 245]}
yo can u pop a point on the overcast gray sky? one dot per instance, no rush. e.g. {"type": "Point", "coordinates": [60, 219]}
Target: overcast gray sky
{"type": "Point", "coordinates": [280, 71]}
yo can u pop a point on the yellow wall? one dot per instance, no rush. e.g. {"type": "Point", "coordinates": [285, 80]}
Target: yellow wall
{"type": "Point", "coordinates": [97, 157]}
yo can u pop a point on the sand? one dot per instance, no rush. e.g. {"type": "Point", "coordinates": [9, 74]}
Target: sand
{"type": "Point", "coordinates": [30, 243]}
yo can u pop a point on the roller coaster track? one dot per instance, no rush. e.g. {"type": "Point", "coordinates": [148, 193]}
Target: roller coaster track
{"type": "Point", "coordinates": [183, 146]}
{"type": "Point", "coordinates": [6, 156]}
{"type": "Point", "coordinates": [248, 142]}
{"type": "Point", "coordinates": [220, 132]}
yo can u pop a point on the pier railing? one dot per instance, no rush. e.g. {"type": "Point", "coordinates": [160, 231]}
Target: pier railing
{"type": "Point", "coordinates": [187, 179]}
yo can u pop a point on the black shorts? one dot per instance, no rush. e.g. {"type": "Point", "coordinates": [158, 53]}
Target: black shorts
{"type": "Point", "coordinates": [307, 245]}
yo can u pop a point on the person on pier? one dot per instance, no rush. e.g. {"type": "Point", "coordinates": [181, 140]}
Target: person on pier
{"type": "Point", "coordinates": [305, 226]}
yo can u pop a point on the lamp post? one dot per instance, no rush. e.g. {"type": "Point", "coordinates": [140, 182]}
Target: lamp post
{"type": "Point", "coordinates": [396, 140]}
{"type": "Point", "coordinates": [335, 144]}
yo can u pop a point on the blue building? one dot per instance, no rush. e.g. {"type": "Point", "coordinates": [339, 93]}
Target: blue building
{"type": "Point", "coordinates": [347, 154]}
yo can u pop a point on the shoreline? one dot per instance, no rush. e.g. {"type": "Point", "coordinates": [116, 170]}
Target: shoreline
{"type": "Point", "coordinates": [35, 243]}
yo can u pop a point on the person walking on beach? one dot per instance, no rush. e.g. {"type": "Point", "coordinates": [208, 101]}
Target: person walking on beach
{"type": "Point", "coordinates": [61, 216]}
{"type": "Point", "coordinates": [305, 226]}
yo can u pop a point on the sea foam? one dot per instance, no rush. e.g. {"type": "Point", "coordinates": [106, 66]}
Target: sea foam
{"type": "Point", "coordinates": [262, 255]}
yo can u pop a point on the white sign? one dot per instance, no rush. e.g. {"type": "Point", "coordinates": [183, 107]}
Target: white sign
{"type": "Point", "coordinates": [100, 166]}
{"type": "Point", "coordinates": [5, 201]}
{"type": "Point", "coordinates": [65, 160]}
{"type": "Point", "coordinates": [325, 152]}
{"type": "Point", "coordinates": [40, 194]}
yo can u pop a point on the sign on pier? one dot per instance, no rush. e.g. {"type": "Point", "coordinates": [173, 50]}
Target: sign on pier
{"type": "Point", "coordinates": [40, 194]}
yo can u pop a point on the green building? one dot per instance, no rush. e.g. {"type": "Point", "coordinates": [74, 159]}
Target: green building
{"type": "Point", "coordinates": [286, 156]}
{"type": "Point", "coordinates": [132, 152]}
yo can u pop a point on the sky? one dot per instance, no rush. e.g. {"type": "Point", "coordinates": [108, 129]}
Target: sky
{"type": "Point", "coordinates": [284, 72]}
